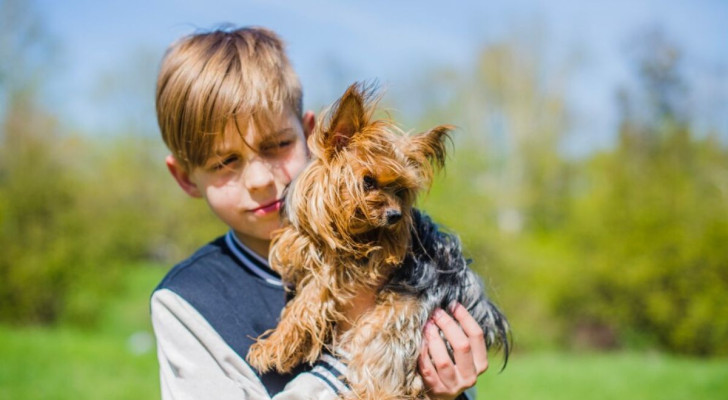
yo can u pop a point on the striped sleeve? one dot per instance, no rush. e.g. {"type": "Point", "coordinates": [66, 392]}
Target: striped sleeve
{"type": "Point", "coordinates": [325, 381]}
{"type": "Point", "coordinates": [332, 372]}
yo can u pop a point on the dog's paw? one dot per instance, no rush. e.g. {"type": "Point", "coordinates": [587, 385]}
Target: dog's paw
{"type": "Point", "coordinates": [259, 357]}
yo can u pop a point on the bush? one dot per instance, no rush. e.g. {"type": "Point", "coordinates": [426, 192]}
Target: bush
{"type": "Point", "coordinates": [75, 210]}
{"type": "Point", "coordinates": [649, 233]}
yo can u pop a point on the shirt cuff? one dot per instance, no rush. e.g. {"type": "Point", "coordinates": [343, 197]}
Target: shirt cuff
{"type": "Point", "coordinates": [332, 371]}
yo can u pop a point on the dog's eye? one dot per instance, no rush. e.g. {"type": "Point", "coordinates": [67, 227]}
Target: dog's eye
{"type": "Point", "coordinates": [369, 183]}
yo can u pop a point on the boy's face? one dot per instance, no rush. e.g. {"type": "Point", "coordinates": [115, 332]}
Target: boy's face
{"type": "Point", "coordinates": [243, 182]}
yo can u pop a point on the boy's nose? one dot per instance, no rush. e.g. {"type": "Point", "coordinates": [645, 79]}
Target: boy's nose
{"type": "Point", "coordinates": [258, 174]}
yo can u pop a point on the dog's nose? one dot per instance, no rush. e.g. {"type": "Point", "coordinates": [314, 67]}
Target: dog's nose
{"type": "Point", "coordinates": [393, 216]}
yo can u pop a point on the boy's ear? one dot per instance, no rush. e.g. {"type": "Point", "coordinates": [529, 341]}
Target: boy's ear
{"type": "Point", "coordinates": [182, 176]}
{"type": "Point", "coordinates": [433, 144]}
{"type": "Point", "coordinates": [348, 118]}
{"type": "Point", "coordinates": [308, 122]}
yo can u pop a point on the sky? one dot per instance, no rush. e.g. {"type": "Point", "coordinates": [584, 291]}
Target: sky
{"type": "Point", "coordinates": [390, 41]}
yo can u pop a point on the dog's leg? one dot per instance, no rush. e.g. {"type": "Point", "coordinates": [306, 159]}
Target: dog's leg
{"type": "Point", "coordinates": [385, 344]}
{"type": "Point", "coordinates": [304, 329]}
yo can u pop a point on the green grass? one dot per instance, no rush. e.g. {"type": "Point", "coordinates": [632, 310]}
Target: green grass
{"type": "Point", "coordinates": [67, 363]}
{"type": "Point", "coordinates": [110, 362]}
{"type": "Point", "coordinates": [606, 376]}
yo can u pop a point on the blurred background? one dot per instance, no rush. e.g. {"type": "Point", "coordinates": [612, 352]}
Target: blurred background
{"type": "Point", "coordinates": [588, 179]}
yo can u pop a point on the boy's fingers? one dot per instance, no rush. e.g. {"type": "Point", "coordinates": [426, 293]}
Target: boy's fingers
{"type": "Point", "coordinates": [428, 371]}
{"type": "Point", "coordinates": [459, 342]}
{"type": "Point", "coordinates": [439, 355]}
{"type": "Point", "coordinates": [475, 336]}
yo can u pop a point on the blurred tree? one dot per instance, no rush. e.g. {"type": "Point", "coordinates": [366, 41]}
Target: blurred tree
{"type": "Point", "coordinates": [35, 193]}
{"type": "Point", "coordinates": [512, 111]}
{"type": "Point", "coordinates": [507, 185]}
{"type": "Point", "coordinates": [75, 209]}
{"type": "Point", "coordinates": [622, 247]}
{"type": "Point", "coordinates": [651, 227]}
{"type": "Point", "coordinates": [35, 197]}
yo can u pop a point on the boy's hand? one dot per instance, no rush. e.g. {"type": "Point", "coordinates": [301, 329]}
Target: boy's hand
{"type": "Point", "coordinates": [447, 379]}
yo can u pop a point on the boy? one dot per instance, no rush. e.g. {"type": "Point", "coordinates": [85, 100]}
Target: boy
{"type": "Point", "coordinates": [230, 111]}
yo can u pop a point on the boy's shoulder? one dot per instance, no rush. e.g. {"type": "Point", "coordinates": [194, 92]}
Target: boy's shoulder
{"type": "Point", "coordinates": [189, 273]}
{"type": "Point", "coordinates": [220, 271]}
{"type": "Point", "coordinates": [224, 286]}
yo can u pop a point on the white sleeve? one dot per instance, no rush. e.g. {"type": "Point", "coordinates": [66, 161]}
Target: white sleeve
{"type": "Point", "coordinates": [324, 381]}
{"type": "Point", "coordinates": [196, 363]}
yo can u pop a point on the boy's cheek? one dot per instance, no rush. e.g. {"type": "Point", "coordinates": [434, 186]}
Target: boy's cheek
{"type": "Point", "coordinates": [225, 195]}
{"type": "Point", "coordinates": [297, 162]}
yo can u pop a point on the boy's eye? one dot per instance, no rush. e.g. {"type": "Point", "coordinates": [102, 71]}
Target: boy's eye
{"type": "Point", "coordinates": [369, 183]}
{"type": "Point", "coordinates": [226, 161]}
{"type": "Point", "coordinates": [273, 147]}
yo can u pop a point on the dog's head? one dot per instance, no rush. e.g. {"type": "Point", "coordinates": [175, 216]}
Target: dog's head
{"type": "Point", "coordinates": [365, 175]}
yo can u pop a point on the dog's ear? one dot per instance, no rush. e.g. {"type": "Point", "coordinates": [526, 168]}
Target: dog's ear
{"type": "Point", "coordinates": [433, 144]}
{"type": "Point", "coordinates": [348, 118]}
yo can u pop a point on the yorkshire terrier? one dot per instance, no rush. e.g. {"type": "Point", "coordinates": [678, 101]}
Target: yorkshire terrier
{"type": "Point", "coordinates": [351, 228]}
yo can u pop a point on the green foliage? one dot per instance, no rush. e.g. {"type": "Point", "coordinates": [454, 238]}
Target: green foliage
{"type": "Point", "coordinates": [649, 225]}
{"type": "Point", "coordinates": [75, 210]}
{"type": "Point", "coordinates": [37, 197]}
{"type": "Point", "coordinates": [649, 233]}
{"type": "Point", "coordinates": [115, 361]}
{"type": "Point", "coordinates": [624, 247]}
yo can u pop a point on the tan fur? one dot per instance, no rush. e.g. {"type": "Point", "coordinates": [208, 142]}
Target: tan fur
{"type": "Point", "coordinates": [349, 220]}
{"type": "Point", "coordinates": [384, 366]}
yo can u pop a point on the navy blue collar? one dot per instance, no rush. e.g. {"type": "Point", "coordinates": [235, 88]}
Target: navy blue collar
{"type": "Point", "coordinates": [253, 262]}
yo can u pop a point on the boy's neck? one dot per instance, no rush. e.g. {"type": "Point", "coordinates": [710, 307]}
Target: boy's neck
{"type": "Point", "coordinates": [258, 246]}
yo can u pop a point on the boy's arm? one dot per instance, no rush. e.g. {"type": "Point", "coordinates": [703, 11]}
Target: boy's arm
{"type": "Point", "coordinates": [196, 363]}
{"type": "Point", "coordinates": [325, 381]}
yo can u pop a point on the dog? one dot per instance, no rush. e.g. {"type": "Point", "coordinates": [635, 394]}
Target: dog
{"type": "Point", "coordinates": [351, 228]}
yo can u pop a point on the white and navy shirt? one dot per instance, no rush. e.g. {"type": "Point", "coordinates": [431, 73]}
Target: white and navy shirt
{"type": "Point", "coordinates": [206, 314]}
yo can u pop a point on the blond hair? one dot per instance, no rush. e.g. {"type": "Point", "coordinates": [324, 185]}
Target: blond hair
{"type": "Point", "coordinates": [208, 79]}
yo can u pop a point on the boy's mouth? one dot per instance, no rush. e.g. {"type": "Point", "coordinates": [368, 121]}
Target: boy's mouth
{"type": "Point", "coordinates": [266, 209]}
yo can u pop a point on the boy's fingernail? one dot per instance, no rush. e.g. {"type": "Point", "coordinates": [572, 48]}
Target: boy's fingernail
{"type": "Point", "coordinates": [429, 325]}
{"type": "Point", "coordinates": [454, 305]}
